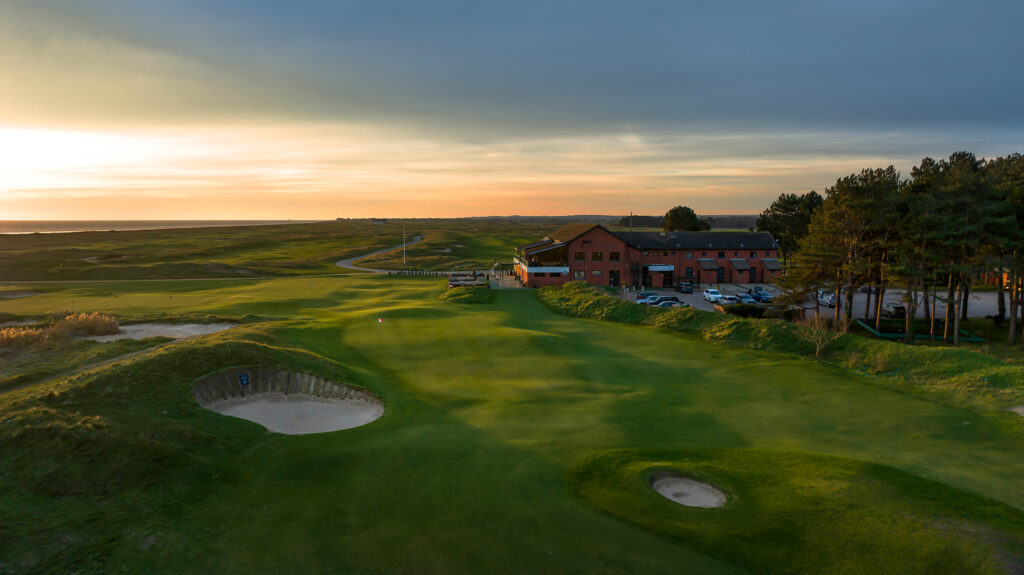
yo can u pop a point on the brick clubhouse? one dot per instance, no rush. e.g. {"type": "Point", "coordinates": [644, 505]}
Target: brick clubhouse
{"type": "Point", "coordinates": [649, 259]}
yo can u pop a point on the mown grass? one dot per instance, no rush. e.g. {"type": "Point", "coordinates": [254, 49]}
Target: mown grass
{"type": "Point", "coordinates": [766, 525]}
{"type": "Point", "coordinates": [958, 375]}
{"type": "Point", "coordinates": [467, 294]}
{"type": "Point", "coordinates": [264, 251]}
{"type": "Point", "coordinates": [490, 410]}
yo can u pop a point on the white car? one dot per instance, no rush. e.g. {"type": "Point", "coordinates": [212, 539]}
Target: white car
{"type": "Point", "coordinates": [712, 295]}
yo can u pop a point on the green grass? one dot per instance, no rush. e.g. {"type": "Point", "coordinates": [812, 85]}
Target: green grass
{"type": "Point", "coordinates": [261, 251]}
{"type": "Point", "coordinates": [467, 294]}
{"type": "Point", "coordinates": [961, 376]}
{"type": "Point", "coordinates": [512, 441]}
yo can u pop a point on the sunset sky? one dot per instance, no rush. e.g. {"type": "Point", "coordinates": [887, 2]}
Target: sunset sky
{"type": "Point", "coordinates": [258, 109]}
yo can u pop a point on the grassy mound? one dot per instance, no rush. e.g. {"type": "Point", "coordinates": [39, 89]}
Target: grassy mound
{"type": "Point", "coordinates": [958, 375]}
{"type": "Point", "coordinates": [467, 294]}
{"type": "Point", "coordinates": [82, 452]}
{"type": "Point", "coordinates": [803, 513]}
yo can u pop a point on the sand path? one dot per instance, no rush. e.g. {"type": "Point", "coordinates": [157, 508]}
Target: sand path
{"type": "Point", "coordinates": [350, 263]}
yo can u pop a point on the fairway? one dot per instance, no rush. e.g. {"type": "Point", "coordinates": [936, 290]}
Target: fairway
{"type": "Point", "coordinates": [513, 440]}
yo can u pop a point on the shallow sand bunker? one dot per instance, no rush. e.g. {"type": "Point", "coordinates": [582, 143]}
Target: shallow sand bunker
{"type": "Point", "coordinates": [287, 402]}
{"type": "Point", "coordinates": [172, 330]}
{"type": "Point", "coordinates": [685, 491]}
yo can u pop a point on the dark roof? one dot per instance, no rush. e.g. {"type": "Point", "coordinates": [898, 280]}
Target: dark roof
{"type": "Point", "coordinates": [698, 240]}
{"type": "Point", "coordinates": [707, 264]}
{"type": "Point", "coordinates": [558, 238]}
{"type": "Point", "coordinates": [771, 264]}
{"type": "Point", "coordinates": [739, 264]}
{"type": "Point", "coordinates": [569, 232]}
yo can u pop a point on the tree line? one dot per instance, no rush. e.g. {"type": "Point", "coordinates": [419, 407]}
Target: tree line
{"type": "Point", "coordinates": [953, 223]}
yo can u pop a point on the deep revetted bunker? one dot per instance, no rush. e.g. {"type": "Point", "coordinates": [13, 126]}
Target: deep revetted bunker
{"type": "Point", "coordinates": [686, 491]}
{"type": "Point", "coordinates": [287, 402]}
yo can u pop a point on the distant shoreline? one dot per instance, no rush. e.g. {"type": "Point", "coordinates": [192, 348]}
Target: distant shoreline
{"type": "Point", "coordinates": [20, 227]}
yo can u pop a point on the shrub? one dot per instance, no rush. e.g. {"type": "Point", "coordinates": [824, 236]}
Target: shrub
{"type": "Point", "coordinates": [89, 323]}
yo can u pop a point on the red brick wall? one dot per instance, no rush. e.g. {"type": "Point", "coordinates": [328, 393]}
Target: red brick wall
{"type": "Point", "coordinates": [598, 240]}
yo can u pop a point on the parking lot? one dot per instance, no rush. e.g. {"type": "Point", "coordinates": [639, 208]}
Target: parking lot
{"type": "Point", "coordinates": [981, 304]}
{"type": "Point", "coordinates": [695, 299]}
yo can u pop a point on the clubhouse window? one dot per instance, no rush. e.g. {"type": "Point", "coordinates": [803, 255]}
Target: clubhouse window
{"type": "Point", "coordinates": [615, 257]}
{"type": "Point", "coordinates": [753, 255]}
{"type": "Point", "coordinates": [703, 253]}
{"type": "Point", "coordinates": [597, 256]}
{"type": "Point", "coordinates": [579, 257]}
{"type": "Point", "coordinates": [664, 253]}
{"type": "Point", "coordinates": [721, 254]}
{"type": "Point", "coordinates": [647, 254]}
{"type": "Point", "coordinates": [595, 272]}
{"type": "Point", "coordinates": [579, 274]}
{"type": "Point", "coordinates": [689, 255]}
{"type": "Point", "coordinates": [538, 274]}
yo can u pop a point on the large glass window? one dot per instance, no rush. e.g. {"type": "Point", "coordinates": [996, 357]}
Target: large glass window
{"type": "Point", "coordinates": [615, 257]}
{"type": "Point", "coordinates": [579, 274]}
{"type": "Point", "coordinates": [597, 256]}
{"type": "Point", "coordinates": [579, 257]}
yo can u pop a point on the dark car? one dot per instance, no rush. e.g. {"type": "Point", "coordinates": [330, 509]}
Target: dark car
{"type": "Point", "coordinates": [645, 294]}
{"type": "Point", "coordinates": [684, 287]}
{"type": "Point", "coordinates": [894, 310]}
{"type": "Point", "coordinates": [760, 294]}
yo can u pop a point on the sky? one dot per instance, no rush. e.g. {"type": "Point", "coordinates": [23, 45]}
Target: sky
{"type": "Point", "coordinates": [310, 109]}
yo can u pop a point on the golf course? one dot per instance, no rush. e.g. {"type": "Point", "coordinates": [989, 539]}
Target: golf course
{"type": "Point", "coordinates": [514, 438]}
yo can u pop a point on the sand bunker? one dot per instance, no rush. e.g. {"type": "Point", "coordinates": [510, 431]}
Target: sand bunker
{"type": "Point", "coordinates": [173, 330]}
{"type": "Point", "coordinates": [15, 294]}
{"type": "Point", "coordinates": [287, 402]}
{"type": "Point", "coordinates": [686, 491]}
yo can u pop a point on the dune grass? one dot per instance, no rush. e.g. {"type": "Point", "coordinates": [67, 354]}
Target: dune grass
{"type": "Point", "coordinates": [501, 421]}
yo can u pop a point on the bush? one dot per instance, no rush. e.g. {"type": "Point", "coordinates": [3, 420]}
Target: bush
{"type": "Point", "coordinates": [89, 323]}
{"type": "Point", "coordinates": [746, 310]}
{"type": "Point", "coordinates": [961, 376]}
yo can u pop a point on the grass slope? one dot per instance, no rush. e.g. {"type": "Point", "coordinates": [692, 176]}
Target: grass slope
{"type": "Point", "coordinates": [492, 411]}
{"type": "Point", "coordinates": [958, 375]}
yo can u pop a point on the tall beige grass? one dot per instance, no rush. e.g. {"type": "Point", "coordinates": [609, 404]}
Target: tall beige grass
{"type": "Point", "coordinates": [62, 325]}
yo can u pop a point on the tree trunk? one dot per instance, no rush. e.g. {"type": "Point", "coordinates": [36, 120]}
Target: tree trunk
{"type": "Point", "coordinates": [965, 297]}
{"type": "Point", "coordinates": [839, 299]}
{"type": "Point", "coordinates": [878, 296]}
{"type": "Point", "coordinates": [1013, 305]}
{"type": "Point", "coordinates": [911, 312]}
{"type": "Point", "coordinates": [950, 295]}
{"type": "Point", "coordinates": [1001, 299]}
{"type": "Point", "coordinates": [960, 285]}
{"type": "Point", "coordinates": [931, 331]}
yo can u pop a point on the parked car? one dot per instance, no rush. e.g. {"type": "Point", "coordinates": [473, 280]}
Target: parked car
{"type": "Point", "coordinates": [649, 299]}
{"type": "Point", "coordinates": [729, 300]}
{"type": "Point", "coordinates": [670, 303]}
{"type": "Point", "coordinates": [748, 299]}
{"type": "Point", "coordinates": [684, 287]}
{"type": "Point", "coordinates": [826, 298]}
{"type": "Point", "coordinates": [894, 310]}
{"type": "Point", "coordinates": [761, 295]}
{"type": "Point", "coordinates": [712, 295]}
{"type": "Point", "coordinates": [645, 295]}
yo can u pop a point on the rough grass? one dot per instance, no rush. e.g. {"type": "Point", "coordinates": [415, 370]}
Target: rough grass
{"type": "Point", "coordinates": [467, 294]}
{"type": "Point", "coordinates": [488, 410]}
{"type": "Point", "coordinates": [60, 326]}
{"type": "Point", "coordinates": [765, 525]}
{"type": "Point", "coordinates": [957, 375]}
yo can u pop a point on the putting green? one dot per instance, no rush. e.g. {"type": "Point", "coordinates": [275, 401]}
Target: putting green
{"type": "Point", "coordinates": [502, 421]}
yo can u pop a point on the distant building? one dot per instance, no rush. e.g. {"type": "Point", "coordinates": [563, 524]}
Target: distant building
{"type": "Point", "coordinates": [650, 259]}
{"type": "Point", "coordinates": [380, 221]}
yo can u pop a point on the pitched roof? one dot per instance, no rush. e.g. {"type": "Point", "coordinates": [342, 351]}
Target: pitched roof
{"type": "Point", "coordinates": [707, 264]}
{"type": "Point", "coordinates": [699, 240]}
{"type": "Point", "coordinates": [558, 238]}
{"type": "Point", "coordinates": [569, 232]}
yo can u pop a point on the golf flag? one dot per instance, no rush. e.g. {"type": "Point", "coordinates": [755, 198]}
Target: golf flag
{"type": "Point", "coordinates": [380, 320]}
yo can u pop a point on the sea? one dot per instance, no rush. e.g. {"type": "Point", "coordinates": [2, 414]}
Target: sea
{"type": "Point", "coordinates": [70, 226]}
